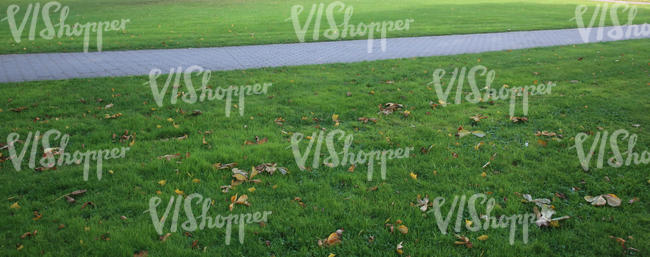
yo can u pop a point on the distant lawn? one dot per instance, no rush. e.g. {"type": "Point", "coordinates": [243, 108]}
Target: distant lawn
{"type": "Point", "coordinates": [599, 86]}
{"type": "Point", "coordinates": [202, 23]}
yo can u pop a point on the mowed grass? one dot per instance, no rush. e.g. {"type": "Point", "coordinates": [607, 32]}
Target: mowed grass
{"type": "Point", "coordinates": [202, 23]}
{"type": "Point", "coordinates": [611, 93]}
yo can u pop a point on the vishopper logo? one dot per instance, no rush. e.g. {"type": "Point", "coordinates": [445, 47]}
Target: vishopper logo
{"type": "Point", "coordinates": [617, 159]}
{"type": "Point", "coordinates": [334, 159]}
{"type": "Point", "coordinates": [344, 29]}
{"type": "Point", "coordinates": [205, 91]}
{"type": "Point", "coordinates": [48, 161]}
{"type": "Point", "coordinates": [204, 219]}
{"type": "Point", "coordinates": [482, 222]}
{"type": "Point", "coordinates": [618, 32]}
{"type": "Point", "coordinates": [475, 96]}
{"type": "Point", "coordinates": [50, 32]}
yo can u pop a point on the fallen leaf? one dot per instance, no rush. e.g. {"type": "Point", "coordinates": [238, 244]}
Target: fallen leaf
{"type": "Point", "coordinates": [86, 204]}
{"type": "Point", "coordinates": [403, 229]}
{"type": "Point", "coordinates": [477, 118]}
{"type": "Point", "coordinates": [243, 200]}
{"type": "Point", "coordinates": [399, 248]}
{"type": "Point", "coordinates": [423, 203]}
{"type": "Point", "coordinates": [612, 200]}
{"type": "Point", "coordinates": [601, 200]}
{"type": "Point", "coordinates": [389, 108]}
{"type": "Point", "coordinates": [463, 240]}
{"type": "Point", "coordinates": [220, 166]}
{"type": "Point", "coordinates": [478, 133]}
{"type": "Point", "coordinates": [37, 216]}
{"type": "Point", "coordinates": [19, 109]}
{"type": "Point", "coordinates": [114, 116]}
{"type": "Point", "coordinates": [164, 238]}
{"type": "Point", "coordinates": [280, 121]}
{"type": "Point", "coordinates": [332, 239]}
{"type": "Point", "coordinates": [518, 119]}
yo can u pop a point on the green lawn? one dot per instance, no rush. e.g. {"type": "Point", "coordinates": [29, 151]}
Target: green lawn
{"type": "Point", "coordinates": [202, 23]}
{"type": "Point", "coordinates": [599, 86]}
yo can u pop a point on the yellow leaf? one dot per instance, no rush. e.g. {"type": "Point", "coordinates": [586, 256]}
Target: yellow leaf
{"type": "Point", "coordinates": [331, 255]}
{"type": "Point", "coordinates": [252, 189]}
{"type": "Point", "coordinates": [158, 126]}
{"type": "Point", "coordinates": [170, 119]}
{"type": "Point", "coordinates": [483, 174]}
{"type": "Point", "coordinates": [468, 222]}
{"type": "Point", "coordinates": [254, 172]}
{"type": "Point", "coordinates": [15, 206]}
{"type": "Point", "coordinates": [483, 238]}
{"type": "Point", "coordinates": [158, 192]}
{"type": "Point", "coordinates": [414, 176]}
{"type": "Point", "coordinates": [196, 180]}
{"type": "Point", "coordinates": [239, 177]}
{"type": "Point", "coordinates": [403, 229]}
{"type": "Point", "coordinates": [335, 117]}
{"type": "Point", "coordinates": [111, 171]}
{"type": "Point", "coordinates": [399, 248]}
{"type": "Point", "coordinates": [242, 199]}
{"type": "Point", "coordinates": [478, 146]}
{"type": "Point", "coordinates": [333, 239]}
{"type": "Point", "coordinates": [179, 192]}
{"type": "Point", "coordinates": [162, 182]}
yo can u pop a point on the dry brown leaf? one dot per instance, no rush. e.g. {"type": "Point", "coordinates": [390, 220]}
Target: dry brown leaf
{"type": "Point", "coordinates": [600, 200]}
{"type": "Point", "coordinates": [280, 121]}
{"type": "Point", "coordinates": [463, 240]}
{"type": "Point", "coordinates": [29, 234]}
{"type": "Point", "coordinates": [164, 238]}
{"type": "Point", "coordinates": [515, 119]}
{"type": "Point", "coordinates": [423, 203]}
{"type": "Point", "coordinates": [389, 108]}
{"type": "Point", "coordinates": [86, 204]}
{"type": "Point", "coordinates": [477, 118]}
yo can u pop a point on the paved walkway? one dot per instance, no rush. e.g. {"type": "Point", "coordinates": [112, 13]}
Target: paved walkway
{"type": "Point", "coordinates": [54, 66]}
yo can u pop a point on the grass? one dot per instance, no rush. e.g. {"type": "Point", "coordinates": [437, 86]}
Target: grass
{"type": "Point", "coordinates": [610, 96]}
{"type": "Point", "coordinates": [200, 23]}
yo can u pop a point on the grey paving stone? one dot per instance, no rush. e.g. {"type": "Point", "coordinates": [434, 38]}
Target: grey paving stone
{"type": "Point", "coordinates": [53, 66]}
